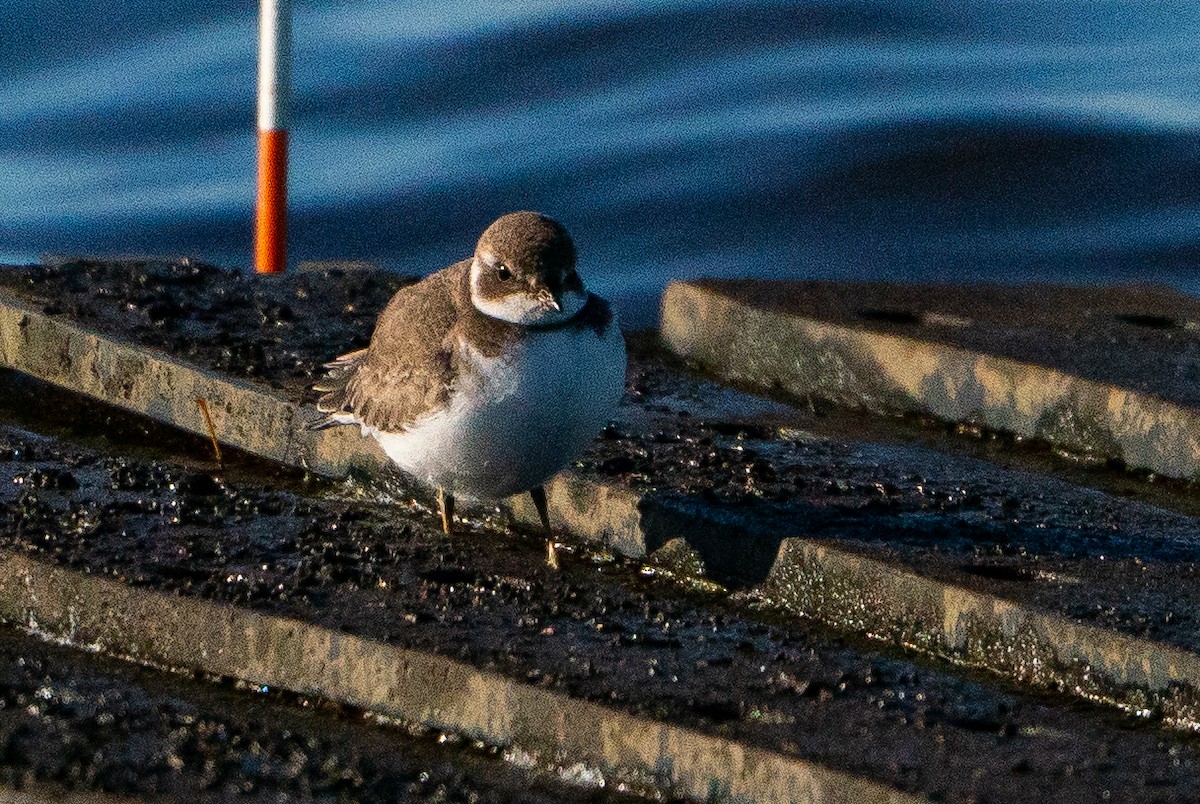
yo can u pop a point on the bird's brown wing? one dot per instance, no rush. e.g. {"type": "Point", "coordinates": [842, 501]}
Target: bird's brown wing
{"type": "Point", "coordinates": [408, 368]}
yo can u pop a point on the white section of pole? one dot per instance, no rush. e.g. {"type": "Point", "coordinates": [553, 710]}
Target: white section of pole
{"type": "Point", "coordinates": [274, 64]}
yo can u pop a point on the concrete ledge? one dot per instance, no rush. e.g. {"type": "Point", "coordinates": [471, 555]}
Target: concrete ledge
{"type": "Point", "coordinates": [440, 692]}
{"type": "Point", "coordinates": [252, 418]}
{"type": "Point", "coordinates": [872, 597]}
{"type": "Point", "coordinates": [246, 415]}
{"type": "Point", "coordinates": [261, 420]}
{"type": "Point", "coordinates": [837, 586]}
{"type": "Point", "coordinates": [610, 515]}
{"type": "Point", "coordinates": [881, 600]}
{"type": "Point", "coordinates": [875, 598]}
{"type": "Point", "coordinates": [800, 356]}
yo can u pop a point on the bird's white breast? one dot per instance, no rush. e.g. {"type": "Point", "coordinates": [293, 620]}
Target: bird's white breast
{"type": "Point", "coordinates": [514, 421]}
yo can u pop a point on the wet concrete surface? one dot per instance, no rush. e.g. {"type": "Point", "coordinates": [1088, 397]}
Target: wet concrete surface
{"type": "Point", "coordinates": [274, 329]}
{"type": "Point", "coordinates": [765, 469]}
{"type": "Point", "coordinates": [603, 629]}
{"type": "Point", "coordinates": [366, 558]}
{"type": "Point", "coordinates": [1144, 337]}
{"type": "Point", "coordinates": [81, 722]}
{"type": "Point", "coordinates": [1108, 373]}
{"type": "Point", "coordinates": [1011, 531]}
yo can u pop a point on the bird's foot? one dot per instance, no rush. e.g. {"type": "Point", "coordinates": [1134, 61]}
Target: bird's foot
{"type": "Point", "coordinates": [538, 493]}
{"type": "Point", "coordinates": [445, 502]}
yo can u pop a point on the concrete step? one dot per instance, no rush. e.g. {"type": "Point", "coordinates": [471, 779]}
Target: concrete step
{"type": "Point", "coordinates": [84, 728]}
{"type": "Point", "coordinates": [963, 607]}
{"type": "Point", "coordinates": [1111, 373]}
{"type": "Point", "coordinates": [989, 567]}
{"type": "Point", "coordinates": [414, 686]}
{"type": "Point", "coordinates": [367, 603]}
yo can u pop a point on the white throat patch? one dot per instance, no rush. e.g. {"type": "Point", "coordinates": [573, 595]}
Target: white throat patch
{"type": "Point", "coordinates": [519, 307]}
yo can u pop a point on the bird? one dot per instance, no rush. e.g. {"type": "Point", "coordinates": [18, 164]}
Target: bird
{"type": "Point", "coordinates": [486, 378]}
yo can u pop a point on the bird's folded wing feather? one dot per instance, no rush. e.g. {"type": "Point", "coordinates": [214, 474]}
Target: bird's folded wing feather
{"type": "Point", "coordinates": [407, 370]}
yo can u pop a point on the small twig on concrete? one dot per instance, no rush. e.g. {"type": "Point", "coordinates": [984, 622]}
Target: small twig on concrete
{"type": "Point", "coordinates": [212, 431]}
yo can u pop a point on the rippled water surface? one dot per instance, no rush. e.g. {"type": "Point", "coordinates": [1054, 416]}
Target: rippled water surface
{"type": "Point", "coordinates": [994, 139]}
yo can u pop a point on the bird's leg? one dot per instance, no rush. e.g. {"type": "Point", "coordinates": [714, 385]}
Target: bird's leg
{"type": "Point", "coordinates": [538, 494]}
{"type": "Point", "coordinates": [445, 502]}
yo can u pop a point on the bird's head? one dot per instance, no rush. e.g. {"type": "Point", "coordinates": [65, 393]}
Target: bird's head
{"type": "Point", "coordinates": [524, 272]}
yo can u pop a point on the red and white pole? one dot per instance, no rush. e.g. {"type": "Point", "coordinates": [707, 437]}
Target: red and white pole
{"type": "Point", "coordinates": [274, 89]}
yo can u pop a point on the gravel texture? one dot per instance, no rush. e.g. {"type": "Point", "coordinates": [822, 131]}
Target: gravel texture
{"type": "Point", "coordinates": [1019, 534]}
{"type": "Point", "coordinates": [275, 329]}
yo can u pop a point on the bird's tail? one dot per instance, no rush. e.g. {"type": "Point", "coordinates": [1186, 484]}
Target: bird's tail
{"type": "Point", "coordinates": [334, 401]}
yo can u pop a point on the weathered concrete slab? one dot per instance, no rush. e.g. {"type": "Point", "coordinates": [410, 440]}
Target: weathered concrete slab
{"type": "Point", "coordinates": [59, 351]}
{"type": "Point", "coordinates": [442, 693]}
{"type": "Point", "coordinates": [904, 606]}
{"type": "Point", "coordinates": [870, 596]}
{"type": "Point", "coordinates": [252, 417]}
{"type": "Point", "coordinates": [267, 422]}
{"type": "Point", "coordinates": [605, 513]}
{"type": "Point", "coordinates": [1096, 371]}
{"type": "Point", "coordinates": [261, 420]}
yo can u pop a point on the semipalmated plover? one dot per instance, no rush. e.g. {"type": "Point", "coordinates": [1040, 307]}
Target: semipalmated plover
{"type": "Point", "coordinates": [486, 378]}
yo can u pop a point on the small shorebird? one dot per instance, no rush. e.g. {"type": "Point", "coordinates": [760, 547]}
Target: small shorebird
{"type": "Point", "coordinates": [486, 378]}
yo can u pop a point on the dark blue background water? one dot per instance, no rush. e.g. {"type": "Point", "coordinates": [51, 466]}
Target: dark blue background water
{"type": "Point", "coordinates": [985, 139]}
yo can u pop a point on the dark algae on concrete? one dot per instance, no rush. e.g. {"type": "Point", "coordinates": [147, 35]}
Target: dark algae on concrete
{"type": "Point", "coordinates": [91, 723]}
{"type": "Point", "coordinates": [601, 629]}
{"type": "Point", "coordinates": [275, 329]}
{"type": "Point", "coordinates": [1143, 337]}
{"type": "Point", "coordinates": [726, 477]}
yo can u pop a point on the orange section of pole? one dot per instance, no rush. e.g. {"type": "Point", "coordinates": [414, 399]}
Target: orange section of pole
{"type": "Point", "coordinates": [270, 230]}
{"type": "Point", "coordinates": [274, 91]}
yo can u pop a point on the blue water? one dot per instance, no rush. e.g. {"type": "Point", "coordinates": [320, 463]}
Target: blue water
{"type": "Point", "coordinates": [980, 139]}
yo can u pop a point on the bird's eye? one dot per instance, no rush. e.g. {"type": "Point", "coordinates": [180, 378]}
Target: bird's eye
{"type": "Point", "coordinates": [503, 273]}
